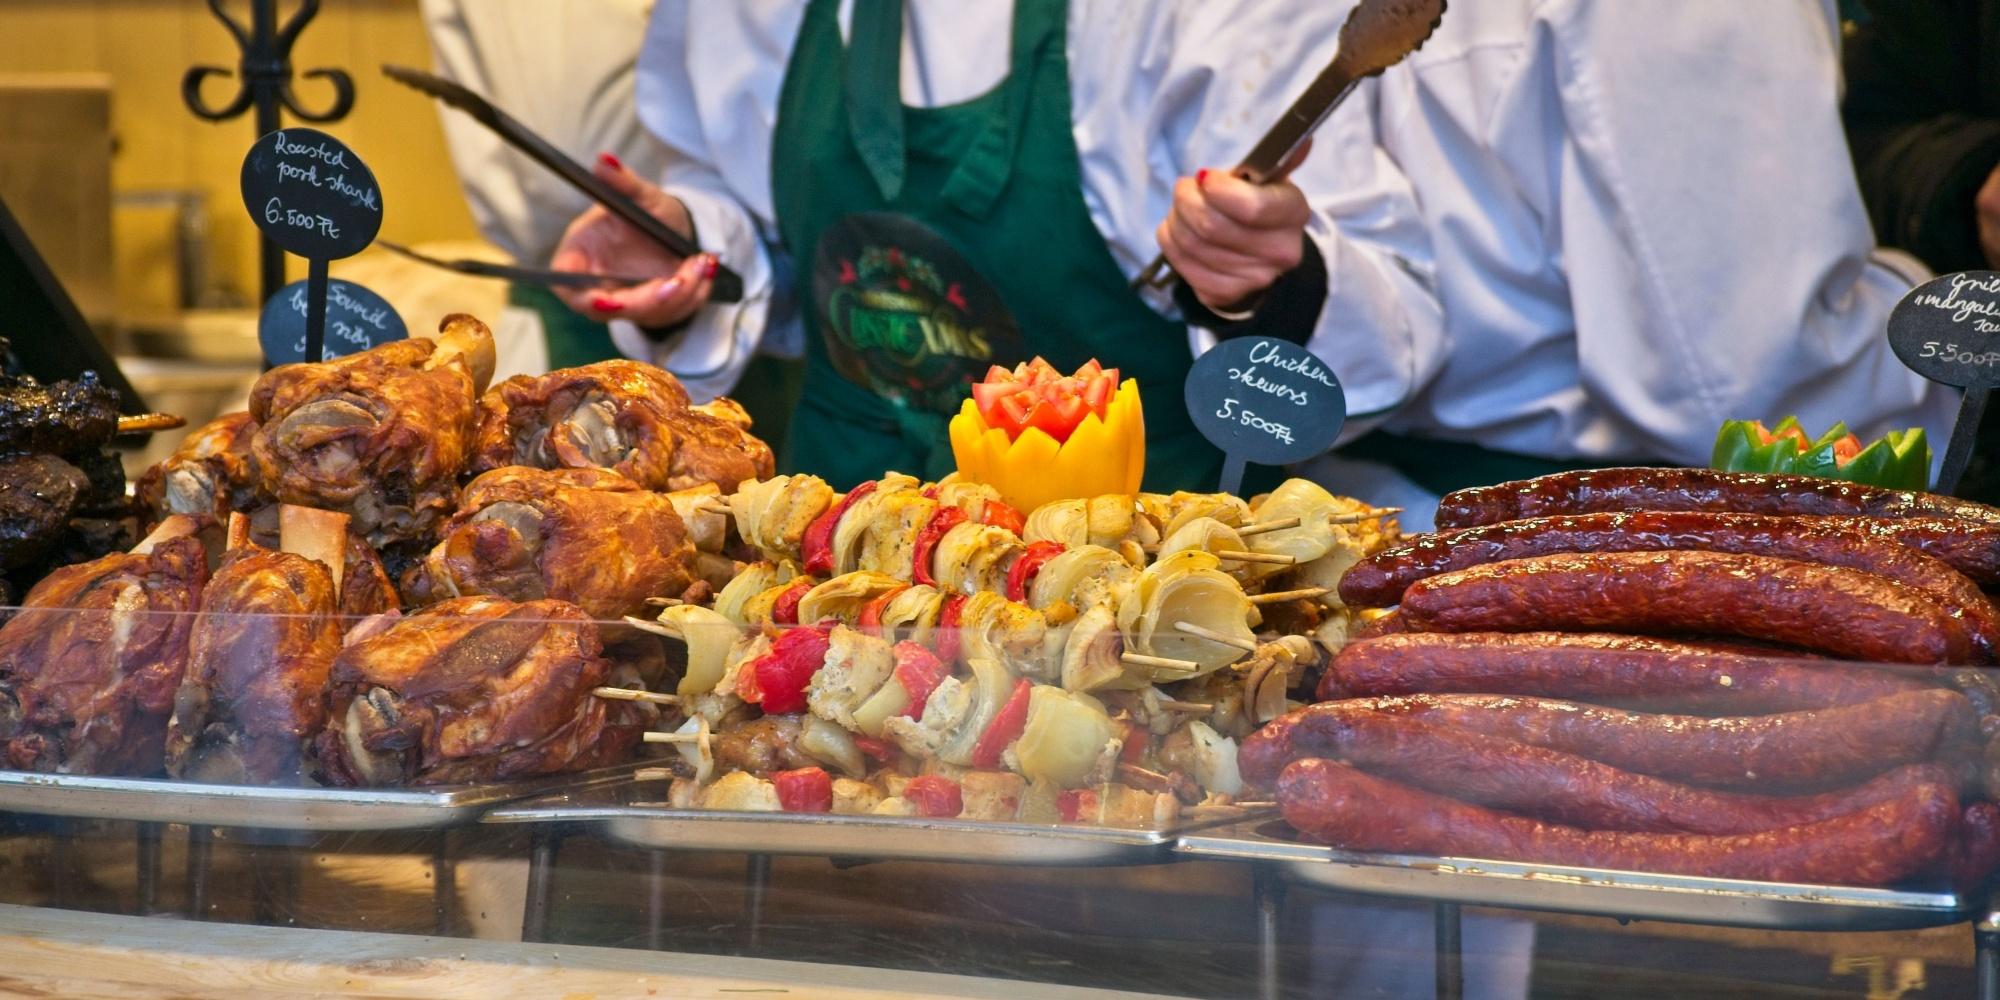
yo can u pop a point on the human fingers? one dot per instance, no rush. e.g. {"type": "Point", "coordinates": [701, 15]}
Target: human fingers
{"type": "Point", "coordinates": [1220, 283]}
{"type": "Point", "coordinates": [1278, 204]}
{"type": "Point", "coordinates": [661, 301]}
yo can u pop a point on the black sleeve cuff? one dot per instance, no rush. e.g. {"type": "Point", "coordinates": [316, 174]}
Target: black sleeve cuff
{"type": "Point", "coordinates": [1290, 309]}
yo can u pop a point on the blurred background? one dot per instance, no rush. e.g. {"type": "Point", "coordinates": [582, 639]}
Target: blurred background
{"type": "Point", "coordinates": [134, 202]}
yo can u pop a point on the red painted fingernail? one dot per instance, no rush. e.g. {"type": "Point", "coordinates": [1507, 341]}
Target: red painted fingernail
{"type": "Point", "coordinates": [605, 305]}
{"type": "Point", "coordinates": [610, 161]}
{"type": "Point", "coordinates": [709, 267]}
{"type": "Point", "coordinates": [1200, 177]}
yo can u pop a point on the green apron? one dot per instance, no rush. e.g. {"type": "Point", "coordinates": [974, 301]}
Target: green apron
{"type": "Point", "coordinates": [926, 238]}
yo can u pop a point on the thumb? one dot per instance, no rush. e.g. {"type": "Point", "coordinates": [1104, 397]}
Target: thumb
{"type": "Point", "coordinates": [612, 171]}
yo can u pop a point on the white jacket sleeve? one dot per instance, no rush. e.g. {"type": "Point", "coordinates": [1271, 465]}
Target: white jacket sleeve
{"type": "Point", "coordinates": [1165, 89]}
{"type": "Point", "coordinates": [1717, 247]}
{"type": "Point", "coordinates": [711, 351]}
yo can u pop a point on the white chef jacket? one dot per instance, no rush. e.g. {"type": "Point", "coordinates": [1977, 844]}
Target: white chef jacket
{"type": "Point", "coordinates": [1646, 223]}
{"type": "Point", "coordinates": [1158, 90]}
{"type": "Point", "coordinates": [564, 69]}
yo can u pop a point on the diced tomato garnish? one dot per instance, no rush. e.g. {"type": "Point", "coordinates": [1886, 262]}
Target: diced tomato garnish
{"type": "Point", "coordinates": [1022, 573]}
{"type": "Point", "coordinates": [928, 536]}
{"type": "Point", "coordinates": [1036, 395]}
{"type": "Point", "coordinates": [1003, 515]}
{"type": "Point", "coordinates": [920, 672]}
{"type": "Point", "coordinates": [782, 675]}
{"type": "Point", "coordinates": [947, 627]}
{"type": "Point", "coordinates": [1075, 804]}
{"type": "Point", "coordinates": [806, 790]}
{"type": "Point", "coordinates": [817, 546]}
{"type": "Point", "coordinates": [1845, 449]}
{"type": "Point", "coordinates": [874, 748]}
{"type": "Point", "coordinates": [1004, 729]}
{"type": "Point", "coordinates": [1794, 434]}
{"type": "Point", "coordinates": [785, 610]}
{"type": "Point", "coordinates": [935, 796]}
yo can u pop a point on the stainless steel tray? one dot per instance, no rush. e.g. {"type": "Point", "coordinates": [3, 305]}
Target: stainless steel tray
{"type": "Point", "coordinates": [1593, 891]}
{"type": "Point", "coordinates": [159, 800]}
{"type": "Point", "coordinates": [882, 838]}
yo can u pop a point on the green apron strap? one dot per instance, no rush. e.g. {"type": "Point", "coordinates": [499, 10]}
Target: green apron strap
{"type": "Point", "coordinates": [875, 91]}
{"type": "Point", "coordinates": [975, 186]}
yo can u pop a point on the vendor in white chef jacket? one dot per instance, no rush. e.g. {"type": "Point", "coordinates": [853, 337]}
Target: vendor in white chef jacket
{"type": "Point", "coordinates": [1005, 168]}
{"type": "Point", "coordinates": [1645, 223]}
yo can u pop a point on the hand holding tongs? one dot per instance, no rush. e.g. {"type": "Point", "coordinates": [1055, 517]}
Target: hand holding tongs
{"type": "Point", "coordinates": [1378, 34]}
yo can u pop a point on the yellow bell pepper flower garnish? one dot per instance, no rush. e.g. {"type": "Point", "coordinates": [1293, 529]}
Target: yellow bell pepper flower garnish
{"type": "Point", "coordinates": [1030, 468]}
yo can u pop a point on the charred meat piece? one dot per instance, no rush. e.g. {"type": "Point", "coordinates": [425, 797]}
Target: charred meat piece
{"type": "Point", "coordinates": [586, 536]}
{"type": "Point", "coordinates": [89, 667]}
{"type": "Point", "coordinates": [57, 418]}
{"type": "Point", "coordinates": [631, 418]}
{"type": "Point", "coordinates": [381, 436]}
{"type": "Point", "coordinates": [210, 473]}
{"type": "Point", "coordinates": [474, 689]}
{"type": "Point", "coordinates": [255, 688]}
{"type": "Point", "coordinates": [764, 745]}
{"type": "Point", "coordinates": [38, 493]}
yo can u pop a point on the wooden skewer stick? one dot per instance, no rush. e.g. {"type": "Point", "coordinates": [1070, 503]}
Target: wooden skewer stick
{"type": "Point", "coordinates": [653, 774]}
{"type": "Point", "coordinates": [1281, 596]}
{"type": "Point", "coordinates": [657, 628]}
{"type": "Point", "coordinates": [673, 737]}
{"type": "Point", "coordinates": [1365, 515]}
{"type": "Point", "coordinates": [1159, 662]}
{"type": "Point", "coordinates": [1267, 558]}
{"type": "Point", "coordinates": [1190, 628]}
{"type": "Point", "coordinates": [664, 602]}
{"type": "Point", "coordinates": [1258, 529]}
{"type": "Point", "coordinates": [1255, 804]}
{"type": "Point", "coordinates": [1196, 707]}
{"type": "Point", "coordinates": [633, 694]}
{"type": "Point", "coordinates": [145, 422]}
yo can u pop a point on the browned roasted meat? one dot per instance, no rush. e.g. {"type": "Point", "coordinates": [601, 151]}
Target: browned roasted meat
{"type": "Point", "coordinates": [88, 668]}
{"type": "Point", "coordinates": [69, 417]}
{"type": "Point", "coordinates": [631, 418]}
{"type": "Point", "coordinates": [255, 688]}
{"type": "Point", "coordinates": [763, 745]}
{"type": "Point", "coordinates": [381, 435]}
{"type": "Point", "coordinates": [210, 473]}
{"type": "Point", "coordinates": [37, 495]}
{"type": "Point", "coordinates": [474, 689]}
{"type": "Point", "coordinates": [586, 536]}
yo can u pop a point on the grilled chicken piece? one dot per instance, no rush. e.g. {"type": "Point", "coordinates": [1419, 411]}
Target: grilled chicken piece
{"type": "Point", "coordinates": [255, 689]}
{"type": "Point", "coordinates": [631, 418]}
{"type": "Point", "coordinates": [763, 745]}
{"type": "Point", "coordinates": [210, 473]}
{"type": "Point", "coordinates": [474, 689]}
{"type": "Point", "coordinates": [586, 536]}
{"type": "Point", "coordinates": [88, 668]}
{"type": "Point", "coordinates": [381, 435]}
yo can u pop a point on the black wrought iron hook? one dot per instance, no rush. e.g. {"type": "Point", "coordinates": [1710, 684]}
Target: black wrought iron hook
{"type": "Point", "coordinates": [265, 68]}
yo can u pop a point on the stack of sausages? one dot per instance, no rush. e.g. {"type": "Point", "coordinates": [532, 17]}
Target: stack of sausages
{"type": "Point", "coordinates": [1667, 670]}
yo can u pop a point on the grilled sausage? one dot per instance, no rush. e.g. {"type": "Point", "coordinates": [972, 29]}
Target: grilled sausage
{"type": "Point", "coordinates": [1790, 751]}
{"type": "Point", "coordinates": [1564, 788]}
{"type": "Point", "coordinates": [1379, 581]}
{"type": "Point", "coordinates": [1598, 490]}
{"type": "Point", "coordinates": [1654, 674]}
{"type": "Point", "coordinates": [1893, 840]}
{"type": "Point", "coordinates": [1846, 612]}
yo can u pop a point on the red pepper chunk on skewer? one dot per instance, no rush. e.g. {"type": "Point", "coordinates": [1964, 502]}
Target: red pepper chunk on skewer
{"type": "Point", "coordinates": [1022, 573]}
{"type": "Point", "coordinates": [1005, 728]}
{"type": "Point", "coordinates": [817, 545]}
{"type": "Point", "coordinates": [935, 796]}
{"type": "Point", "coordinates": [806, 790]}
{"type": "Point", "coordinates": [928, 537]}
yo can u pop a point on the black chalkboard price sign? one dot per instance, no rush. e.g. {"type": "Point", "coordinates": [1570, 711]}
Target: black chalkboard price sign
{"type": "Point", "coordinates": [356, 320]}
{"type": "Point", "coordinates": [1266, 401]}
{"type": "Point", "coordinates": [1948, 330]}
{"type": "Point", "coordinates": [315, 198]}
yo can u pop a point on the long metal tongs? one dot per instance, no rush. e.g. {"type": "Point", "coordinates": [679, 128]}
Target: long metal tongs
{"type": "Point", "coordinates": [1378, 34]}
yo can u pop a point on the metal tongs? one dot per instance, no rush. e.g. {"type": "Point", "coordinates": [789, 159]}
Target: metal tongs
{"type": "Point", "coordinates": [1378, 34]}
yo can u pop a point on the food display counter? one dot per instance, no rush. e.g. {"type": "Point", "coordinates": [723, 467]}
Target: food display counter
{"type": "Point", "coordinates": [568, 659]}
